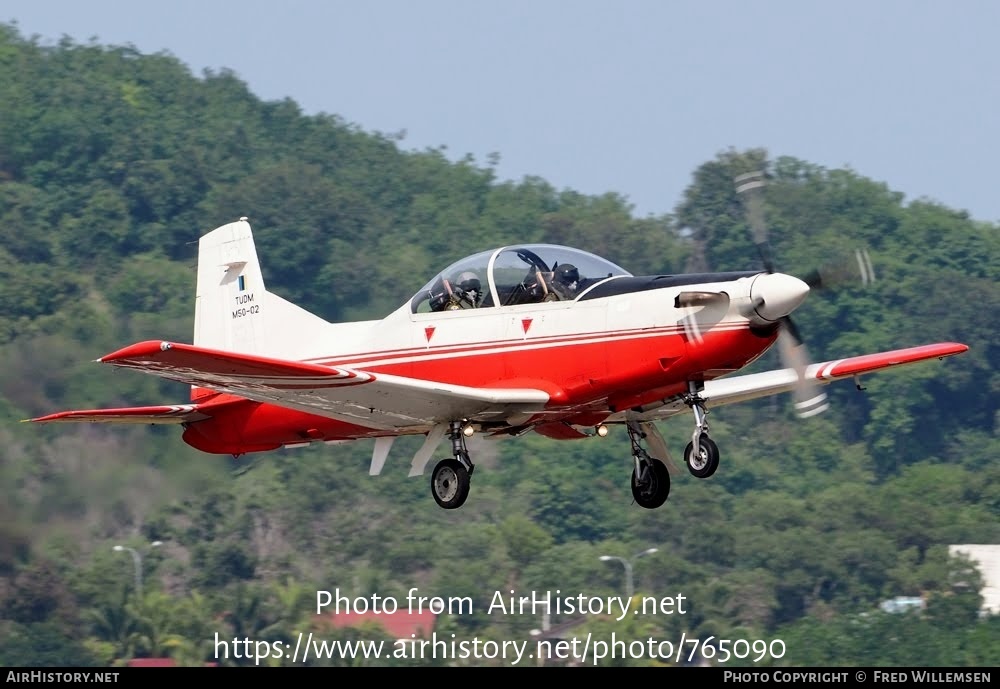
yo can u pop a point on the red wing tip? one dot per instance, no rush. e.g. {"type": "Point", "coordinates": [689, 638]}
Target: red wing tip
{"type": "Point", "coordinates": [51, 417]}
{"type": "Point", "coordinates": [870, 362]}
{"type": "Point", "coordinates": [950, 348]}
{"type": "Point", "coordinates": [939, 348]}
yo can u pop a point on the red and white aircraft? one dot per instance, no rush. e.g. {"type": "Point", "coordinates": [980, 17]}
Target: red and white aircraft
{"type": "Point", "coordinates": [534, 337]}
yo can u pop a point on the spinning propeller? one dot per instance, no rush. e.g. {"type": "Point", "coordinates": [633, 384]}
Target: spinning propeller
{"type": "Point", "coordinates": [714, 306]}
{"type": "Point", "coordinates": [809, 398]}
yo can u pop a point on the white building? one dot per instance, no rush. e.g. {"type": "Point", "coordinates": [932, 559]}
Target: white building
{"type": "Point", "coordinates": [987, 560]}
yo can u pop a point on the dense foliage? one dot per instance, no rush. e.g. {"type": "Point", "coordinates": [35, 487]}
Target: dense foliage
{"type": "Point", "coordinates": [113, 163]}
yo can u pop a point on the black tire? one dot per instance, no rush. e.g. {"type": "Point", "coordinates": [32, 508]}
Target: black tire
{"type": "Point", "coordinates": [654, 490]}
{"type": "Point", "coordinates": [450, 484]}
{"type": "Point", "coordinates": [707, 461]}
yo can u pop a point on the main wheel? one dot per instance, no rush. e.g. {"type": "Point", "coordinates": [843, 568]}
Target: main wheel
{"type": "Point", "coordinates": [450, 484]}
{"type": "Point", "coordinates": [653, 490]}
{"type": "Point", "coordinates": [706, 461]}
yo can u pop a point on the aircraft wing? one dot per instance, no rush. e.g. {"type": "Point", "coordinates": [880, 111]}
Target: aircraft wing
{"type": "Point", "coordinates": [373, 400]}
{"type": "Point", "coordinates": [722, 391]}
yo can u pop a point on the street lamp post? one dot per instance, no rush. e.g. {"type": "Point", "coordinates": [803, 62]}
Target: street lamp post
{"type": "Point", "coordinates": [628, 567]}
{"type": "Point", "coordinates": [137, 561]}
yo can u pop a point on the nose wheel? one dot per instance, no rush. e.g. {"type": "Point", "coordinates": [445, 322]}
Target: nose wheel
{"type": "Point", "coordinates": [703, 462]}
{"type": "Point", "coordinates": [701, 454]}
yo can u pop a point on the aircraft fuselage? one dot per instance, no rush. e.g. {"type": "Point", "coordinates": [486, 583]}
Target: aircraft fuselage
{"type": "Point", "coordinates": [593, 357]}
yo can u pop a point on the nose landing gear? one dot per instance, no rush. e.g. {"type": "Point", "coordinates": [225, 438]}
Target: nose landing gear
{"type": "Point", "coordinates": [701, 454]}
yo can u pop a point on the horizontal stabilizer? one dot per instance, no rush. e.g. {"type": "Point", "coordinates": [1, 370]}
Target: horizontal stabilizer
{"type": "Point", "coordinates": [211, 368]}
{"type": "Point", "coordinates": [164, 414]}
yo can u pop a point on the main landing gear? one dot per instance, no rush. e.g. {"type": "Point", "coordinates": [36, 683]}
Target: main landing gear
{"type": "Point", "coordinates": [450, 478]}
{"type": "Point", "coordinates": [650, 477]}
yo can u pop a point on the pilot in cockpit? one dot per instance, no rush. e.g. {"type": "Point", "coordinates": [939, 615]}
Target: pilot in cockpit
{"type": "Point", "coordinates": [468, 290]}
{"type": "Point", "coordinates": [566, 281]}
{"type": "Point", "coordinates": [464, 292]}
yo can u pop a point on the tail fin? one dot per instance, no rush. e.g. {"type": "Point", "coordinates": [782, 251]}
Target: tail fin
{"type": "Point", "coordinates": [233, 309]}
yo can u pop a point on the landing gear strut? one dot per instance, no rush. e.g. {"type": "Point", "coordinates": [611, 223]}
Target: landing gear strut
{"type": "Point", "coordinates": [450, 478]}
{"type": "Point", "coordinates": [650, 478]}
{"type": "Point", "coordinates": [701, 454]}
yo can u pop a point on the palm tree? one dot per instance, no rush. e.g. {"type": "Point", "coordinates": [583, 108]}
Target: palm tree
{"type": "Point", "coordinates": [158, 624]}
{"type": "Point", "coordinates": [116, 624]}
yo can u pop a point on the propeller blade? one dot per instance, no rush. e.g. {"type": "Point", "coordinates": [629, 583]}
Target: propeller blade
{"type": "Point", "coordinates": [865, 266]}
{"type": "Point", "coordinates": [713, 307]}
{"type": "Point", "coordinates": [810, 399]}
{"type": "Point", "coordinates": [749, 185]}
{"type": "Point", "coordinates": [852, 267]}
{"type": "Point", "coordinates": [691, 328]}
{"type": "Point", "coordinates": [793, 330]}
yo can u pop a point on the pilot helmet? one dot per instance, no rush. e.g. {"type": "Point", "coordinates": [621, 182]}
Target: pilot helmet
{"type": "Point", "coordinates": [567, 274]}
{"type": "Point", "coordinates": [469, 282]}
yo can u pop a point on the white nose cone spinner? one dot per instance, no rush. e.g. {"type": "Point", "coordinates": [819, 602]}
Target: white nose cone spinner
{"type": "Point", "coordinates": [775, 295]}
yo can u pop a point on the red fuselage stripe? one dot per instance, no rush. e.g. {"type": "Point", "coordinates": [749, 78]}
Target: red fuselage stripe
{"type": "Point", "coordinates": [579, 373]}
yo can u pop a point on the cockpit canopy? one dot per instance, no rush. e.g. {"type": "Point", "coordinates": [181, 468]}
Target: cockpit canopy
{"type": "Point", "coordinates": [524, 274]}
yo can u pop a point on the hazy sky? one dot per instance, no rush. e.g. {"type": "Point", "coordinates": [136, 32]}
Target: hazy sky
{"type": "Point", "coordinates": [627, 96]}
